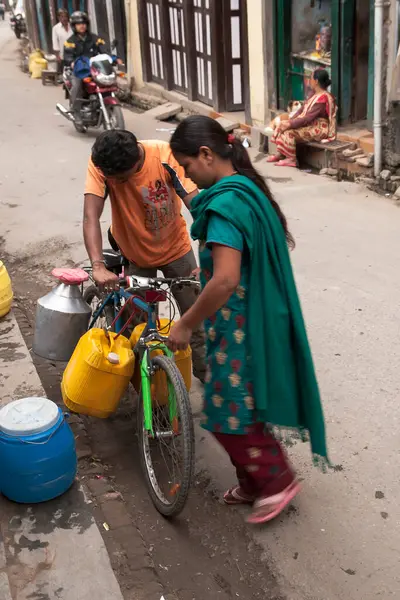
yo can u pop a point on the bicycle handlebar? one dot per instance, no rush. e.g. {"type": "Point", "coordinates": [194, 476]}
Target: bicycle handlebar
{"type": "Point", "coordinates": [137, 282]}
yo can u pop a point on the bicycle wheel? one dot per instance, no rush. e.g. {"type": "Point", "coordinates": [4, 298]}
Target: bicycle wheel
{"type": "Point", "coordinates": [167, 459]}
{"type": "Point", "coordinates": [93, 297]}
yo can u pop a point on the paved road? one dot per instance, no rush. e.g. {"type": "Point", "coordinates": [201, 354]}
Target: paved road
{"type": "Point", "coordinates": [340, 540]}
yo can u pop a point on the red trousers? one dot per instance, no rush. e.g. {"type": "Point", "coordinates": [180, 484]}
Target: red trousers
{"type": "Point", "coordinates": [261, 464]}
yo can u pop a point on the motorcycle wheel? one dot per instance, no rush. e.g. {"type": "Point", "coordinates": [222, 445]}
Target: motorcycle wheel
{"type": "Point", "coordinates": [116, 117]}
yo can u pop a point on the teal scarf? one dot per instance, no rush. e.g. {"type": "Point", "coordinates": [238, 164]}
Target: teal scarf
{"type": "Point", "coordinates": [285, 386]}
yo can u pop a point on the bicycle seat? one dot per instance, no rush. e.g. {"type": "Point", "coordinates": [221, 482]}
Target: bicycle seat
{"type": "Point", "coordinates": [114, 261]}
{"type": "Point", "coordinates": [70, 276]}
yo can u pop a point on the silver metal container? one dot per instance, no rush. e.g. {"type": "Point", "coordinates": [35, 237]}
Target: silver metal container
{"type": "Point", "coordinates": [62, 317]}
{"type": "Point", "coordinates": [52, 63]}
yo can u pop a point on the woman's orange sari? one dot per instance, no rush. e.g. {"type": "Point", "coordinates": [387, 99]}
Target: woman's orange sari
{"type": "Point", "coordinates": [320, 130]}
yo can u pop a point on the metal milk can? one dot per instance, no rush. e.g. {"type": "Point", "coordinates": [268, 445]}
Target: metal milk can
{"type": "Point", "coordinates": [52, 64]}
{"type": "Point", "coordinates": [62, 316]}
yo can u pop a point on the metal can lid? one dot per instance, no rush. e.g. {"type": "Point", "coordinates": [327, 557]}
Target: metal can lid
{"type": "Point", "coordinates": [28, 416]}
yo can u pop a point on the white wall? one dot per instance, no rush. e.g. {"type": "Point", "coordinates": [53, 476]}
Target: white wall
{"type": "Point", "coordinates": [135, 70]}
{"type": "Point", "coordinates": [258, 83]}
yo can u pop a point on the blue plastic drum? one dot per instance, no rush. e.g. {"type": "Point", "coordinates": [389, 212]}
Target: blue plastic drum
{"type": "Point", "coordinates": [37, 451]}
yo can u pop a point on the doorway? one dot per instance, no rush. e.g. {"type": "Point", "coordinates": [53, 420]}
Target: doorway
{"type": "Point", "coordinates": [335, 35]}
{"type": "Point", "coordinates": [198, 48]}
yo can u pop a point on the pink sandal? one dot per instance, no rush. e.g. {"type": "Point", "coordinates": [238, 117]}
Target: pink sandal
{"type": "Point", "coordinates": [274, 158]}
{"type": "Point", "coordinates": [286, 162]}
{"type": "Point", "coordinates": [237, 496]}
{"type": "Point", "coordinates": [269, 508]}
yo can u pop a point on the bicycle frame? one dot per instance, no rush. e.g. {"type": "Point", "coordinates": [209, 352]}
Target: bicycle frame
{"type": "Point", "coordinates": [142, 349]}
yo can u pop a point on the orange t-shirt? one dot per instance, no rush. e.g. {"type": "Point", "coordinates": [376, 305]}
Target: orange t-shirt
{"type": "Point", "coordinates": [146, 210]}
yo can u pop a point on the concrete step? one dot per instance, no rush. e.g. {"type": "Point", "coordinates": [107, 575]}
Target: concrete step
{"type": "Point", "coordinates": [367, 144]}
{"type": "Point", "coordinates": [164, 111]}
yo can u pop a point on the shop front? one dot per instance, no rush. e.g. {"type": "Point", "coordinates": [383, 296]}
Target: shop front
{"type": "Point", "coordinates": [336, 35]}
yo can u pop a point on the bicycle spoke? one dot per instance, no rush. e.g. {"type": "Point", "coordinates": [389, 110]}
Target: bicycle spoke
{"type": "Point", "coordinates": [165, 451]}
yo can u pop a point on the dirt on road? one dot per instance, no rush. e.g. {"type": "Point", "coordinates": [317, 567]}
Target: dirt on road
{"type": "Point", "coordinates": [207, 552]}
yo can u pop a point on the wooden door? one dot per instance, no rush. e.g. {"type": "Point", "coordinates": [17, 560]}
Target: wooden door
{"type": "Point", "coordinates": [235, 46]}
{"type": "Point", "coordinates": [203, 49]}
{"type": "Point", "coordinates": [361, 59]}
{"type": "Point", "coordinates": [150, 19]}
{"type": "Point", "coordinates": [120, 28]}
{"type": "Point", "coordinates": [347, 16]}
{"type": "Point", "coordinates": [176, 20]}
{"type": "Point", "coordinates": [282, 48]}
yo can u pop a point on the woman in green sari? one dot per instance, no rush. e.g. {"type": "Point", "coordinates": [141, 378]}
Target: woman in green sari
{"type": "Point", "coordinates": [260, 372]}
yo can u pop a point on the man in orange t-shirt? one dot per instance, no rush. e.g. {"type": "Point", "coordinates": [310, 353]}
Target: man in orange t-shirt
{"type": "Point", "coordinates": [146, 187]}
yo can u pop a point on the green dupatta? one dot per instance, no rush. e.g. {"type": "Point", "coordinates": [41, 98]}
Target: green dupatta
{"type": "Point", "coordinates": [285, 385]}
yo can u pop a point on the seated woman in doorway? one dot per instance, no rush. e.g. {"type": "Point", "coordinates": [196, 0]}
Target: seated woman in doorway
{"type": "Point", "coordinates": [314, 122]}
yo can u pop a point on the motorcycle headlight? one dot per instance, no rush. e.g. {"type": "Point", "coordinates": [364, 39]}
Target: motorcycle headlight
{"type": "Point", "coordinates": [105, 80]}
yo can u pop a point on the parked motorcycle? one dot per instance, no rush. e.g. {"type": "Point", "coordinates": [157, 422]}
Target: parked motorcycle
{"type": "Point", "coordinates": [99, 105]}
{"type": "Point", "coordinates": [18, 24]}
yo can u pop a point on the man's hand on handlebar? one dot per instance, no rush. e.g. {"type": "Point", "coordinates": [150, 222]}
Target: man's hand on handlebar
{"type": "Point", "coordinates": [105, 279]}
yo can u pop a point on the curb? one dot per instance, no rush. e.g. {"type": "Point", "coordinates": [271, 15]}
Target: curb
{"type": "Point", "coordinates": [62, 545]}
{"type": "Point", "coordinates": [120, 534]}
{"type": "Point", "coordinates": [5, 590]}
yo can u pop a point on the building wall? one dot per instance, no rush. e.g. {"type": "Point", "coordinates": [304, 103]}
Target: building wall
{"type": "Point", "coordinates": [258, 83]}
{"type": "Point", "coordinates": [393, 38]}
{"type": "Point", "coordinates": [391, 110]}
{"type": "Point", "coordinates": [135, 69]}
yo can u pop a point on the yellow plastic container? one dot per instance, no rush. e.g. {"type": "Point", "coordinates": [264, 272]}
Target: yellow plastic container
{"type": "Point", "coordinates": [98, 374]}
{"type": "Point", "coordinates": [183, 359]}
{"type": "Point", "coordinates": [32, 57]}
{"type": "Point", "coordinates": [6, 293]}
{"type": "Point", "coordinates": [38, 66]}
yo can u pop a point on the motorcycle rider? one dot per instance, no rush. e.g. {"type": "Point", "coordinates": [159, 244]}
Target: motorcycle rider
{"type": "Point", "coordinates": [82, 43]}
{"type": "Point", "coordinates": [146, 187]}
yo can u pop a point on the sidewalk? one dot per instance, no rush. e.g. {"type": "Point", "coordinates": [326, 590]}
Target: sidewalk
{"type": "Point", "coordinates": [52, 550]}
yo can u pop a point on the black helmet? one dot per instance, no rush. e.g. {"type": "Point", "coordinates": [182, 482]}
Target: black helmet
{"type": "Point", "coordinates": [79, 17]}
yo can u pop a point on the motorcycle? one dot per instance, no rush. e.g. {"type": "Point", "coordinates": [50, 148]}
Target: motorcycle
{"type": "Point", "coordinates": [99, 105]}
{"type": "Point", "coordinates": [18, 24]}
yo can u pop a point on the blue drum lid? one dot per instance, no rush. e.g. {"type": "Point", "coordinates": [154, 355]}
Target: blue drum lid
{"type": "Point", "coordinates": [28, 416]}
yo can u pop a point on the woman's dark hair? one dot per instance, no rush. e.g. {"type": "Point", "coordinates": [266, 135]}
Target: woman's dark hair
{"type": "Point", "coordinates": [322, 76]}
{"type": "Point", "coordinates": [115, 152]}
{"type": "Point", "coordinates": [197, 131]}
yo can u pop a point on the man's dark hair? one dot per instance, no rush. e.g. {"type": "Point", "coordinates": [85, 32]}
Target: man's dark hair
{"type": "Point", "coordinates": [115, 152]}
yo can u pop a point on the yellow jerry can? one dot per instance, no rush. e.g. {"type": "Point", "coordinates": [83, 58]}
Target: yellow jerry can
{"type": "Point", "coordinates": [6, 293]}
{"type": "Point", "coordinates": [98, 373]}
{"type": "Point", "coordinates": [183, 359]}
{"type": "Point", "coordinates": [38, 66]}
{"type": "Point", "coordinates": [33, 56]}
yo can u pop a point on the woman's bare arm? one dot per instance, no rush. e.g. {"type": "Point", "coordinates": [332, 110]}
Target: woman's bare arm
{"type": "Point", "coordinates": [219, 289]}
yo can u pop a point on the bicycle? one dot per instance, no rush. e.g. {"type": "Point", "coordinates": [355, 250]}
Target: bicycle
{"type": "Point", "coordinates": [163, 431]}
